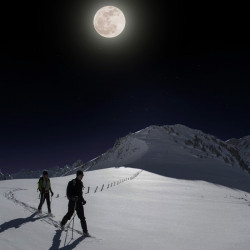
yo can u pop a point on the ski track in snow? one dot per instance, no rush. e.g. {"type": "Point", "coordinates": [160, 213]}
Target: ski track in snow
{"type": "Point", "coordinates": [44, 217]}
{"type": "Point", "coordinates": [173, 214]}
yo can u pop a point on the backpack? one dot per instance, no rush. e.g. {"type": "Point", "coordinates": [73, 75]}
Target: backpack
{"type": "Point", "coordinates": [40, 183]}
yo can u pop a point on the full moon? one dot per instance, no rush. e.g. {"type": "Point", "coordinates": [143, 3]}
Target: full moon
{"type": "Point", "coordinates": [109, 21]}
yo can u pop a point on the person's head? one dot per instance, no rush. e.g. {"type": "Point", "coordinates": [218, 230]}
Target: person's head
{"type": "Point", "coordinates": [79, 174]}
{"type": "Point", "coordinates": [45, 174]}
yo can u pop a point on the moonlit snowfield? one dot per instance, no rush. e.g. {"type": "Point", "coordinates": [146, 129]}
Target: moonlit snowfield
{"type": "Point", "coordinates": [147, 212]}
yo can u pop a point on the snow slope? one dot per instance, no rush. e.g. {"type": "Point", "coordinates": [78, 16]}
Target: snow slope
{"type": "Point", "coordinates": [174, 151]}
{"type": "Point", "coordinates": [243, 145]}
{"type": "Point", "coordinates": [179, 152]}
{"type": "Point", "coordinates": [146, 212]}
{"type": "Point", "coordinates": [193, 193]}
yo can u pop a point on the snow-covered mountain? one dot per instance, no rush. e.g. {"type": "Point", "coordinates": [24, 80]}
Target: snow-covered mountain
{"type": "Point", "coordinates": [174, 151]}
{"type": "Point", "coordinates": [53, 172]}
{"type": "Point", "coordinates": [4, 176]}
{"type": "Point", "coordinates": [179, 152]}
{"type": "Point", "coordinates": [168, 143]}
{"type": "Point", "coordinates": [243, 145]}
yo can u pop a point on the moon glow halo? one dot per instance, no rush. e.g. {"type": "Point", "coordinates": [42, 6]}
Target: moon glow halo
{"type": "Point", "coordinates": [109, 21]}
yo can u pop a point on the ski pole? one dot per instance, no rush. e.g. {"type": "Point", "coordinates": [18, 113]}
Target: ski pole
{"type": "Point", "coordinates": [66, 236]}
{"type": "Point", "coordinates": [73, 220]}
{"type": "Point", "coordinates": [69, 226]}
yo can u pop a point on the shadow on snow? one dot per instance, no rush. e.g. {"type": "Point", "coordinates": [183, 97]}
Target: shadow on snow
{"type": "Point", "coordinates": [16, 223]}
{"type": "Point", "coordinates": [57, 241]}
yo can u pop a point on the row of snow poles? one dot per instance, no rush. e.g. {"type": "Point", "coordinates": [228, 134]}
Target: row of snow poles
{"type": "Point", "coordinates": [115, 183]}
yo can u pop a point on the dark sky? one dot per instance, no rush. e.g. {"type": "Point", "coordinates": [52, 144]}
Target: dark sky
{"type": "Point", "coordinates": [68, 93]}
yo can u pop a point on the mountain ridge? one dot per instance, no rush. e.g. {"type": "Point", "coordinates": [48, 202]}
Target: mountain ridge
{"type": "Point", "coordinates": [171, 150]}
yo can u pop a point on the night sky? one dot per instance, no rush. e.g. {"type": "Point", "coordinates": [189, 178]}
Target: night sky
{"type": "Point", "coordinates": [67, 93]}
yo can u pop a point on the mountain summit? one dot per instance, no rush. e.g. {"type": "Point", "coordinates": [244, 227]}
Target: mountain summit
{"type": "Point", "coordinates": [179, 152]}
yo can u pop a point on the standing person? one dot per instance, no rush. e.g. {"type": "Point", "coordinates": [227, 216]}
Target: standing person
{"type": "Point", "coordinates": [76, 202]}
{"type": "Point", "coordinates": [44, 188]}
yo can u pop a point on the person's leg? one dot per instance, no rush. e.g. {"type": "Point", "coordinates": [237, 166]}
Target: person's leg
{"type": "Point", "coordinates": [48, 202]}
{"type": "Point", "coordinates": [42, 199]}
{"type": "Point", "coordinates": [71, 207]}
{"type": "Point", "coordinates": [80, 214]}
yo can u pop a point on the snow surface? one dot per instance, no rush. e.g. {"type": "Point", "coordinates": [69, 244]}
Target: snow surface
{"type": "Point", "coordinates": [179, 188]}
{"type": "Point", "coordinates": [147, 212]}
